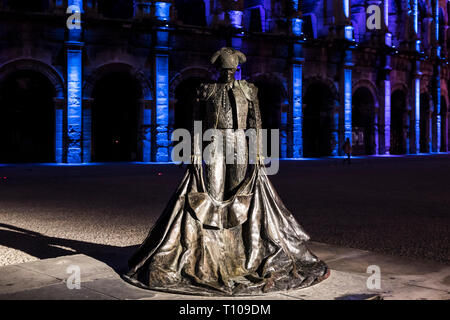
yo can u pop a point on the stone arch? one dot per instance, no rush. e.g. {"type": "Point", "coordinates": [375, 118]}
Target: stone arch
{"type": "Point", "coordinates": [320, 114]}
{"type": "Point", "coordinates": [271, 78]}
{"type": "Point", "coordinates": [106, 68]}
{"type": "Point", "coordinates": [274, 106]}
{"type": "Point", "coordinates": [185, 74]}
{"type": "Point", "coordinates": [34, 125]}
{"type": "Point", "coordinates": [365, 118]}
{"type": "Point", "coordinates": [403, 87]}
{"type": "Point", "coordinates": [318, 79]}
{"type": "Point", "coordinates": [48, 71]}
{"type": "Point", "coordinates": [370, 86]}
{"type": "Point", "coordinates": [130, 144]}
{"type": "Point", "coordinates": [182, 90]}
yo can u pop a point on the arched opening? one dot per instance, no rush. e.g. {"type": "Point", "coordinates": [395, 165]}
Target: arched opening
{"type": "Point", "coordinates": [115, 114]}
{"type": "Point", "coordinates": [271, 95]}
{"type": "Point", "coordinates": [185, 95]}
{"type": "Point", "coordinates": [425, 122]}
{"type": "Point", "coordinates": [398, 127]}
{"type": "Point", "coordinates": [318, 121]}
{"type": "Point", "coordinates": [27, 118]}
{"type": "Point", "coordinates": [191, 12]}
{"type": "Point", "coordinates": [363, 121]}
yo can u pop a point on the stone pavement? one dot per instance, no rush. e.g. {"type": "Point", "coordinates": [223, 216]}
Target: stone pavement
{"type": "Point", "coordinates": [400, 278]}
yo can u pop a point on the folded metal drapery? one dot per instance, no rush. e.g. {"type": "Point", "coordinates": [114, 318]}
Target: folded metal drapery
{"type": "Point", "coordinates": [249, 244]}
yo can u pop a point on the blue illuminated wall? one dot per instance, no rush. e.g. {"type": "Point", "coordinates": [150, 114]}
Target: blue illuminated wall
{"type": "Point", "coordinates": [348, 104]}
{"type": "Point", "coordinates": [416, 108]}
{"type": "Point", "coordinates": [74, 107]}
{"type": "Point", "coordinates": [147, 142]}
{"type": "Point", "coordinates": [74, 92]}
{"type": "Point", "coordinates": [59, 130]}
{"type": "Point", "coordinates": [387, 115]}
{"type": "Point", "coordinates": [162, 107]}
{"type": "Point", "coordinates": [297, 111]}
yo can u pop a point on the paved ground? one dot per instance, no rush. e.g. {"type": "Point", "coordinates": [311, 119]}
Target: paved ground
{"type": "Point", "coordinates": [395, 206]}
{"type": "Point", "coordinates": [99, 275]}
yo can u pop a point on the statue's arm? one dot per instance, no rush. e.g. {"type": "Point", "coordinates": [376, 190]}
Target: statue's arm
{"type": "Point", "coordinates": [198, 105]}
{"type": "Point", "coordinates": [254, 117]}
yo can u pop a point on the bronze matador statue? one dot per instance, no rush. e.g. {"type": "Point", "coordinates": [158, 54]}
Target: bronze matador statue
{"type": "Point", "coordinates": [226, 232]}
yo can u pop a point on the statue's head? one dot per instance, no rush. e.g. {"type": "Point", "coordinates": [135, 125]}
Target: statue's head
{"type": "Point", "coordinates": [227, 60]}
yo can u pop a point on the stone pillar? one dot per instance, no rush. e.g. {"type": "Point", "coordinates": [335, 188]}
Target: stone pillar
{"type": "Point", "coordinates": [59, 129]}
{"type": "Point", "coordinates": [345, 34]}
{"type": "Point", "coordinates": [74, 47]}
{"type": "Point", "coordinates": [436, 53]}
{"type": "Point", "coordinates": [161, 14]}
{"type": "Point", "coordinates": [346, 97]}
{"type": "Point", "coordinates": [385, 123]}
{"type": "Point", "coordinates": [436, 116]}
{"type": "Point", "coordinates": [335, 134]}
{"type": "Point", "coordinates": [145, 130]}
{"type": "Point", "coordinates": [342, 19]}
{"type": "Point", "coordinates": [296, 88]}
{"type": "Point", "coordinates": [384, 143]}
{"type": "Point", "coordinates": [444, 132]}
{"type": "Point", "coordinates": [87, 129]}
{"type": "Point", "coordinates": [415, 110]}
{"type": "Point", "coordinates": [415, 47]}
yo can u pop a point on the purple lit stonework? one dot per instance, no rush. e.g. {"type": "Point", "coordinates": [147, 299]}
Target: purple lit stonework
{"type": "Point", "coordinates": [323, 75]}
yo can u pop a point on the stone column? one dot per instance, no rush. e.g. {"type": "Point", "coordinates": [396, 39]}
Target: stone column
{"type": "Point", "coordinates": [335, 130]}
{"type": "Point", "coordinates": [385, 123]}
{"type": "Point", "coordinates": [145, 130]}
{"type": "Point", "coordinates": [415, 48]}
{"type": "Point", "coordinates": [444, 132]}
{"type": "Point", "coordinates": [74, 47]}
{"type": "Point", "coordinates": [161, 14]}
{"type": "Point", "coordinates": [384, 143]}
{"type": "Point", "coordinates": [436, 54]}
{"type": "Point", "coordinates": [415, 110]}
{"type": "Point", "coordinates": [345, 35]}
{"type": "Point", "coordinates": [296, 88]}
{"type": "Point", "coordinates": [87, 129]}
{"type": "Point", "coordinates": [59, 129]}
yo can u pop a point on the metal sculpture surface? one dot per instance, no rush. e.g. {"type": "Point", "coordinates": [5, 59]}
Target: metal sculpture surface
{"type": "Point", "coordinates": [227, 233]}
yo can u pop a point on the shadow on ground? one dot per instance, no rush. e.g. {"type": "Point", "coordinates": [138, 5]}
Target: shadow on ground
{"type": "Point", "coordinates": [44, 247]}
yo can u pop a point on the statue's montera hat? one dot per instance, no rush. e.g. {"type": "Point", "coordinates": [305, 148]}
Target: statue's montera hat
{"type": "Point", "coordinates": [228, 58]}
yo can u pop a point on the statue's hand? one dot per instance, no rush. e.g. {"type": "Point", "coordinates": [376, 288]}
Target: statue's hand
{"type": "Point", "coordinates": [260, 160]}
{"type": "Point", "coordinates": [196, 159]}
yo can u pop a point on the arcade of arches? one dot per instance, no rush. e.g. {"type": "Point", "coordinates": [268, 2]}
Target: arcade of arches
{"type": "Point", "coordinates": [116, 111]}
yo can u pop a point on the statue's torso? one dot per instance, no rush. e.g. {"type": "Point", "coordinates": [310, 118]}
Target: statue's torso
{"type": "Point", "coordinates": [229, 110]}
